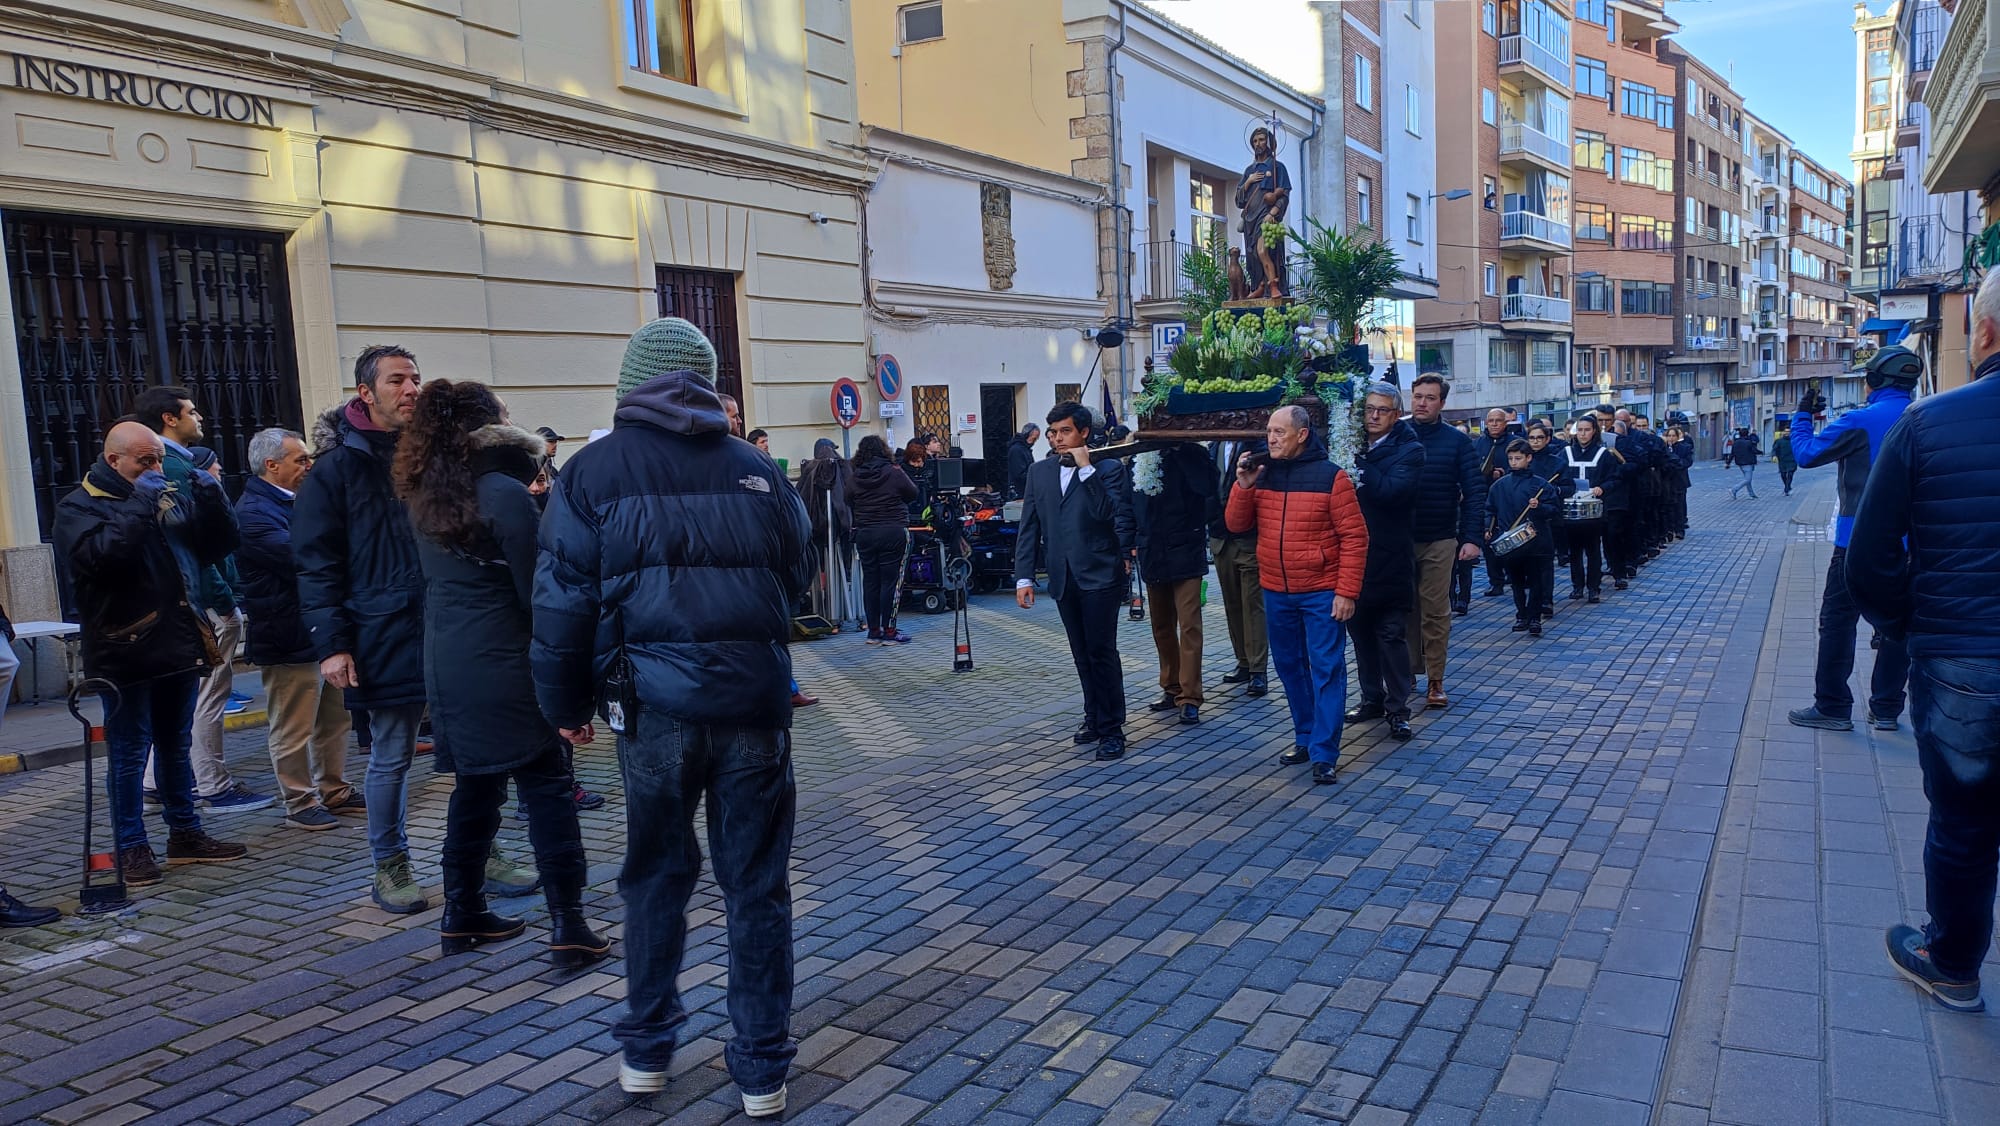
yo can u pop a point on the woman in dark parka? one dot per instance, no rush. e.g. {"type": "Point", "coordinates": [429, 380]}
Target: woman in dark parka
{"type": "Point", "coordinates": [464, 473]}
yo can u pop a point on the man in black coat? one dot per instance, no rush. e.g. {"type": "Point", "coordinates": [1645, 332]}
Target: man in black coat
{"type": "Point", "coordinates": [1447, 527]}
{"type": "Point", "coordinates": [309, 722]}
{"type": "Point", "coordinates": [671, 557]}
{"type": "Point", "coordinates": [1172, 513]}
{"type": "Point", "coordinates": [1020, 456]}
{"type": "Point", "coordinates": [1646, 454]}
{"type": "Point", "coordinates": [1388, 475]}
{"type": "Point", "coordinates": [1076, 524]}
{"type": "Point", "coordinates": [1491, 450]}
{"type": "Point", "coordinates": [141, 634]}
{"type": "Point", "coordinates": [1237, 573]}
{"type": "Point", "coordinates": [361, 593]}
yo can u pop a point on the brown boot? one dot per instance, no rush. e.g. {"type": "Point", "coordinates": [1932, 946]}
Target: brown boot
{"type": "Point", "coordinates": [1436, 698]}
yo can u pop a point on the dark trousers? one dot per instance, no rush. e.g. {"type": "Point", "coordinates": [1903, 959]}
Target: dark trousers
{"type": "Point", "coordinates": [1462, 571]}
{"type": "Point", "coordinates": [1677, 509]}
{"type": "Point", "coordinates": [1785, 475]}
{"type": "Point", "coordinates": [1838, 618]}
{"type": "Point", "coordinates": [745, 776]}
{"type": "Point", "coordinates": [474, 818]}
{"type": "Point", "coordinates": [1586, 556]}
{"type": "Point", "coordinates": [1619, 546]}
{"type": "Point", "coordinates": [884, 552]}
{"type": "Point", "coordinates": [1496, 572]}
{"type": "Point", "coordinates": [1530, 574]}
{"type": "Point", "coordinates": [1955, 709]}
{"type": "Point", "coordinates": [1090, 619]}
{"type": "Point", "coordinates": [1382, 657]}
{"type": "Point", "coordinates": [156, 715]}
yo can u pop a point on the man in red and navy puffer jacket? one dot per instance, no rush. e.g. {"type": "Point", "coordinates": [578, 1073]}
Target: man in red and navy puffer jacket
{"type": "Point", "coordinates": [1312, 548]}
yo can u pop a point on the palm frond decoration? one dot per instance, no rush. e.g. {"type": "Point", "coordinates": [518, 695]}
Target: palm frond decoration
{"type": "Point", "coordinates": [1345, 274]}
{"type": "Point", "coordinates": [1206, 270]}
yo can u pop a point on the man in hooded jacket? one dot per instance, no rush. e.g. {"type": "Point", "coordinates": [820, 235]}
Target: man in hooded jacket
{"type": "Point", "coordinates": [671, 556]}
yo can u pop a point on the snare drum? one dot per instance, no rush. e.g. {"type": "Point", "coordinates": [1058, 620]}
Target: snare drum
{"type": "Point", "coordinates": [1513, 539]}
{"type": "Point", "coordinates": [1583, 506]}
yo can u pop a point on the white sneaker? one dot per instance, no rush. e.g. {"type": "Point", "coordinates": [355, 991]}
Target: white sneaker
{"type": "Point", "coordinates": [633, 1081]}
{"type": "Point", "coordinates": [764, 1106]}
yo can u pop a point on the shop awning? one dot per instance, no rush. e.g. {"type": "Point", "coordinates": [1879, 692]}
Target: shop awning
{"type": "Point", "coordinates": [1893, 328]}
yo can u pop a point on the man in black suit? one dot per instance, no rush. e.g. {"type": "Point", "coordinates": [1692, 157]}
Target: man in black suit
{"type": "Point", "coordinates": [1076, 523]}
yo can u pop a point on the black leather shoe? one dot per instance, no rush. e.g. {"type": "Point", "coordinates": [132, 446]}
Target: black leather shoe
{"type": "Point", "coordinates": [1362, 713]}
{"type": "Point", "coordinates": [1163, 704]}
{"type": "Point", "coordinates": [1462, 611]}
{"type": "Point", "coordinates": [1190, 714]}
{"type": "Point", "coordinates": [14, 913]}
{"type": "Point", "coordinates": [1238, 677]}
{"type": "Point", "coordinates": [1110, 747]}
{"type": "Point", "coordinates": [1535, 628]}
{"type": "Point", "coordinates": [1495, 591]}
{"type": "Point", "coordinates": [1520, 625]}
{"type": "Point", "coordinates": [1294, 756]}
{"type": "Point", "coordinates": [1593, 599]}
{"type": "Point", "coordinates": [1084, 735]}
{"type": "Point", "coordinates": [1258, 686]}
{"type": "Point", "coordinates": [1323, 774]}
{"type": "Point", "coordinates": [1575, 593]}
{"type": "Point", "coordinates": [1399, 730]}
{"type": "Point", "coordinates": [1619, 585]}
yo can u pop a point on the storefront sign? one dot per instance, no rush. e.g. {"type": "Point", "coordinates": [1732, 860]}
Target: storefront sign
{"type": "Point", "coordinates": [1904, 307]}
{"type": "Point", "coordinates": [117, 87]}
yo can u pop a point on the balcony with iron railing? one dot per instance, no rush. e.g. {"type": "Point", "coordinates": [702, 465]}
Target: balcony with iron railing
{"type": "Point", "coordinates": [1530, 228]}
{"type": "Point", "coordinates": [1909, 129]}
{"type": "Point", "coordinates": [1728, 292]}
{"type": "Point", "coordinates": [1160, 277]}
{"type": "Point", "coordinates": [1535, 307]}
{"type": "Point", "coordinates": [1963, 95]}
{"type": "Point", "coordinates": [1548, 65]}
{"type": "Point", "coordinates": [1518, 139]}
{"type": "Point", "coordinates": [1699, 287]}
{"type": "Point", "coordinates": [1927, 32]}
{"type": "Point", "coordinates": [1768, 320]}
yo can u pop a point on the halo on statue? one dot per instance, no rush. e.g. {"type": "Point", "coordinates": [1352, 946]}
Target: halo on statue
{"type": "Point", "coordinates": [1270, 125]}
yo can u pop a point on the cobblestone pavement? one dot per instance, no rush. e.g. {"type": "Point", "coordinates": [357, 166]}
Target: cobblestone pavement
{"type": "Point", "coordinates": [1493, 923]}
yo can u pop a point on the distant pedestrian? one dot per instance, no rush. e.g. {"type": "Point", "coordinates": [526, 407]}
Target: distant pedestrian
{"type": "Point", "coordinates": [1236, 575]}
{"type": "Point", "coordinates": [1020, 456]}
{"type": "Point", "coordinates": [170, 412]}
{"type": "Point", "coordinates": [1076, 524]}
{"type": "Point", "coordinates": [760, 438]}
{"type": "Point", "coordinates": [881, 501]}
{"type": "Point", "coordinates": [1387, 475]}
{"type": "Point", "coordinates": [1312, 546]}
{"type": "Point", "coordinates": [141, 635]}
{"type": "Point", "coordinates": [1450, 513]}
{"type": "Point", "coordinates": [464, 473]}
{"type": "Point", "coordinates": [670, 558]}
{"type": "Point", "coordinates": [1172, 515]}
{"type": "Point", "coordinates": [1852, 442]}
{"type": "Point", "coordinates": [1935, 485]}
{"type": "Point", "coordinates": [1680, 460]}
{"type": "Point", "coordinates": [1743, 454]}
{"type": "Point", "coordinates": [1781, 452]}
{"type": "Point", "coordinates": [308, 723]}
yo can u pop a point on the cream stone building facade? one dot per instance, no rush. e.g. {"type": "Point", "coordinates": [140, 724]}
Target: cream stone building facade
{"type": "Point", "coordinates": [239, 195]}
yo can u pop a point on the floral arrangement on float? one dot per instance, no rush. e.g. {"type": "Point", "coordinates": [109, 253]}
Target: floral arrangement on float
{"type": "Point", "coordinates": [1242, 358]}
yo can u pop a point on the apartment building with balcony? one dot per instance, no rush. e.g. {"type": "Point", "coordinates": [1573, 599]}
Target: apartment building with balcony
{"type": "Point", "coordinates": [1714, 301]}
{"type": "Point", "coordinates": [1821, 312]}
{"type": "Point", "coordinates": [1963, 97]}
{"type": "Point", "coordinates": [1627, 161]}
{"type": "Point", "coordinates": [1501, 328]}
{"type": "Point", "coordinates": [1767, 239]}
{"type": "Point", "coordinates": [1910, 244]}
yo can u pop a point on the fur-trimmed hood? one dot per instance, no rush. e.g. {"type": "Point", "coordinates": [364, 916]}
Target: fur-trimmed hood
{"type": "Point", "coordinates": [499, 436]}
{"type": "Point", "coordinates": [325, 433]}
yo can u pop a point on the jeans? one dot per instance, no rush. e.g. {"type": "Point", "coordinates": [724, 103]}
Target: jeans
{"type": "Point", "coordinates": [388, 781]}
{"type": "Point", "coordinates": [474, 818]}
{"type": "Point", "coordinates": [1306, 647]}
{"type": "Point", "coordinates": [1838, 617]}
{"type": "Point", "coordinates": [159, 714]}
{"type": "Point", "coordinates": [745, 775]}
{"type": "Point", "coordinates": [1382, 658]}
{"type": "Point", "coordinates": [1749, 472]}
{"type": "Point", "coordinates": [884, 553]}
{"type": "Point", "coordinates": [1955, 709]}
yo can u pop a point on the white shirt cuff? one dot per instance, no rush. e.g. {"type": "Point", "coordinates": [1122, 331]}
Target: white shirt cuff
{"type": "Point", "coordinates": [1083, 474]}
{"type": "Point", "coordinates": [1023, 584]}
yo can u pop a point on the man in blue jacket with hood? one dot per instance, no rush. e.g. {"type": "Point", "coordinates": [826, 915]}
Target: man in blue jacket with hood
{"type": "Point", "coordinates": [1852, 442]}
{"type": "Point", "coordinates": [1925, 550]}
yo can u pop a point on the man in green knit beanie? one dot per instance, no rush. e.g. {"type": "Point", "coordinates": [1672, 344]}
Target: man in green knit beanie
{"type": "Point", "coordinates": [665, 345]}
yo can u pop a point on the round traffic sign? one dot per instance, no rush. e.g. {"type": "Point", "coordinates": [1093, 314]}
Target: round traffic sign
{"type": "Point", "coordinates": [846, 403]}
{"type": "Point", "coordinates": [888, 376]}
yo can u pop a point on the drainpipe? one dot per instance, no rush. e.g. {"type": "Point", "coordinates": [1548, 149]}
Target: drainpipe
{"type": "Point", "coordinates": [1305, 165]}
{"type": "Point", "coordinates": [1121, 236]}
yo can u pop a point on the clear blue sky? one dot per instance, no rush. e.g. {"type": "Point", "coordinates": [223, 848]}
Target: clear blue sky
{"type": "Point", "coordinates": [1793, 63]}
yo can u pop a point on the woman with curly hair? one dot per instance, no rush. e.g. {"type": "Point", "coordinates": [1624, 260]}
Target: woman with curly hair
{"type": "Point", "coordinates": [464, 473]}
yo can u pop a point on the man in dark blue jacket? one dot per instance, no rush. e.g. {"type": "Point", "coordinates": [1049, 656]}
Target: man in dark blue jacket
{"type": "Point", "coordinates": [308, 719]}
{"type": "Point", "coordinates": [1491, 449]}
{"type": "Point", "coordinates": [361, 593]}
{"type": "Point", "coordinates": [672, 554]}
{"type": "Point", "coordinates": [1387, 474]}
{"type": "Point", "coordinates": [1936, 486]}
{"type": "Point", "coordinates": [1170, 505]}
{"type": "Point", "coordinates": [1447, 527]}
{"type": "Point", "coordinates": [1851, 443]}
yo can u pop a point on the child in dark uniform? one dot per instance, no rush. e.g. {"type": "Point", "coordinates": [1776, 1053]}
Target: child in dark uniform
{"type": "Point", "coordinates": [1523, 499]}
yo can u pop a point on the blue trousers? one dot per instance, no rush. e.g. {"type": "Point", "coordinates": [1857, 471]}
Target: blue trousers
{"type": "Point", "coordinates": [1306, 648]}
{"type": "Point", "coordinates": [155, 714]}
{"type": "Point", "coordinates": [1955, 709]}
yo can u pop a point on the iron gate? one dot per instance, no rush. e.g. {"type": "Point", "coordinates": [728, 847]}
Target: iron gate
{"type": "Point", "coordinates": [707, 300]}
{"type": "Point", "coordinates": [104, 310]}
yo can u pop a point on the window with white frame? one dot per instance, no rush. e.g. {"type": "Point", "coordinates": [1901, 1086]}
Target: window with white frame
{"type": "Point", "coordinates": [1489, 106]}
{"type": "Point", "coordinates": [659, 37]}
{"type": "Point", "coordinates": [1491, 278]}
{"type": "Point", "coordinates": [918, 22]}
{"type": "Point", "coordinates": [1364, 82]}
{"type": "Point", "coordinates": [1413, 218]}
{"type": "Point", "coordinates": [1413, 112]}
{"type": "Point", "coordinates": [1503, 357]}
{"type": "Point", "coordinates": [1364, 201]}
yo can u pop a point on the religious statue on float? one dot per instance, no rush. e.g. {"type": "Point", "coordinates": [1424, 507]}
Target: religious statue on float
{"type": "Point", "coordinates": [1262, 197]}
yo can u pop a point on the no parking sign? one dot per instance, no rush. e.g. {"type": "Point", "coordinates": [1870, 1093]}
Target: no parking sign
{"type": "Point", "coordinates": [846, 402]}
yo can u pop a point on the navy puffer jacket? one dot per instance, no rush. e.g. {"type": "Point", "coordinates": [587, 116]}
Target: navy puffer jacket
{"type": "Point", "coordinates": [1934, 482]}
{"type": "Point", "coordinates": [682, 543]}
{"type": "Point", "coordinates": [1451, 501]}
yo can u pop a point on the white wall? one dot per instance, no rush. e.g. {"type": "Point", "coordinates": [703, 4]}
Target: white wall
{"type": "Point", "coordinates": [924, 228]}
{"type": "Point", "coordinates": [1409, 57]}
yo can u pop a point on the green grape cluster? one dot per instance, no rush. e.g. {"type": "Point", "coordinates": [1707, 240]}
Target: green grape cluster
{"type": "Point", "coordinates": [1217, 386]}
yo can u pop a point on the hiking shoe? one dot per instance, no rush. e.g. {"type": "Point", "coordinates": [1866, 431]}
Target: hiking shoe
{"type": "Point", "coordinates": [192, 846]}
{"type": "Point", "coordinates": [138, 866]}
{"type": "Point", "coordinates": [507, 879]}
{"type": "Point", "coordinates": [1813, 717]}
{"type": "Point", "coordinates": [396, 889]}
{"type": "Point", "coordinates": [1883, 722]}
{"type": "Point", "coordinates": [764, 1106]}
{"type": "Point", "coordinates": [585, 799]}
{"type": "Point", "coordinates": [1912, 959]}
{"type": "Point", "coordinates": [238, 798]}
{"type": "Point", "coordinates": [314, 819]}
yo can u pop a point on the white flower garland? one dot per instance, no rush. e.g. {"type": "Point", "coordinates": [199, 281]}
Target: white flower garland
{"type": "Point", "coordinates": [1343, 415]}
{"type": "Point", "coordinates": [1146, 474]}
